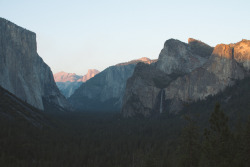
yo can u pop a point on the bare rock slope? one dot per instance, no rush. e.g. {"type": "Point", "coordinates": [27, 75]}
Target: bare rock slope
{"type": "Point", "coordinates": [186, 73]}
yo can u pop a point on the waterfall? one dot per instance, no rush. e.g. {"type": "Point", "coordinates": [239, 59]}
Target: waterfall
{"type": "Point", "coordinates": [161, 101]}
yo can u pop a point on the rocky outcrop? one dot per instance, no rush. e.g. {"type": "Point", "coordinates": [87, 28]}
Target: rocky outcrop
{"type": "Point", "coordinates": [179, 57]}
{"type": "Point", "coordinates": [143, 59]}
{"type": "Point", "coordinates": [220, 71]}
{"type": "Point", "coordinates": [69, 82]}
{"type": "Point", "coordinates": [106, 89]}
{"type": "Point", "coordinates": [200, 48]}
{"type": "Point", "coordinates": [90, 74]}
{"type": "Point", "coordinates": [22, 71]}
{"type": "Point", "coordinates": [143, 90]}
{"type": "Point", "coordinates": [191, 73]}
{"type": "Point", "coordinates": [242, 53]}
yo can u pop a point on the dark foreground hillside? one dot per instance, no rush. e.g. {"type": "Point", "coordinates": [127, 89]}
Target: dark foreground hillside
{"type": "Point", "coordinates": [15, 110]}
{"type": "Point", "coordinates": [201, 135]}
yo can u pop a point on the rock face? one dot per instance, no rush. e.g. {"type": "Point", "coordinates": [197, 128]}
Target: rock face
{"type": "Point", "coordinates": [104, 92]}
{"type": "Point", "coordinates": [220, 71]}
{"type": "Point", "coordinates": [91, 73]}
{"type": "Point", "coordinates": [242, 53]}
{"type": "Point", "coordinates": [68, 88]}
{"type": "Point", "coordinates": [143, 89]}
{"type": "Point", "coordinates": [179, 57]}
{"type": "Point", "coordinates": [66, 77]}
{"type": "Point", "coordinates": [22, 71]}
{"type": "Point", "coordinates": [189, 72]}
{"type": "Point", "coordinates": [69, 82]}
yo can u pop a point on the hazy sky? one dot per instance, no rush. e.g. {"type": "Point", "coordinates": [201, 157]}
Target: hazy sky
{"type": "Point", "coordinates": [76, 35]}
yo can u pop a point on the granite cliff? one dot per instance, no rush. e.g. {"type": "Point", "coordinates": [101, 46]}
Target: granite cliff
{"type": "Point", "coordinates": [105, 90]}
{"type": "Point", "coordinates": [22, 70]}
{"type": "Point", "coordinates": [186, 73]}
{"type": "Point", "coordinates": [69, 82]}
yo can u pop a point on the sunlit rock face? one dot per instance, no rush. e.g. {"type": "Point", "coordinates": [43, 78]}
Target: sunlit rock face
{"type": "Point", "coordinates": [220, 71]}
{"type": "Point", "coordinates": [190, 72]}
{"type": "Point", "coordinates": [242, 53]}
{"type": "Point", "coordinates": [66, 77]}
{"type": "Point", "coordinates": [22, 71]}
{"type": "Point", "coordinates": [69, 82]}
{"type": "Point", "coordinates": [104, 92]}
{"type": "Point", "coordinates": [91, 73]}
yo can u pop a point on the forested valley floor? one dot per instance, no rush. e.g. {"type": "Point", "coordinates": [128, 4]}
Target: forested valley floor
{"type": "Point", "coordinates": [205, 134]}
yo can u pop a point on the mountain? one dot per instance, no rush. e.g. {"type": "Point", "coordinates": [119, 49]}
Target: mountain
{"type": "Point", "coordinates": [22, 71]}
{"type": "Point", "coordinates": [69, 82]}
{"type": "Point", "coordinates": [66, 77]}
{"type": "Point", "coordinates": [234, 101]}
{"type": "Point", "coordinates": [104, 92]}
{"type": "Point", "coordinates": [186, 73]}
{"type": "Point", "coordinates": [90, 74]}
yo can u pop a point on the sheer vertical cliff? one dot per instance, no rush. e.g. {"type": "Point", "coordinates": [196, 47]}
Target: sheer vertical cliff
{"type": "Point", "coordinates": [22, 70]}
{"type": "Point", "coordinates": [186, 72]}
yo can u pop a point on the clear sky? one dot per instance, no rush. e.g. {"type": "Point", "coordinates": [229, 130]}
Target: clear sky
{"type": "Point", "coordinates": [76, 35]}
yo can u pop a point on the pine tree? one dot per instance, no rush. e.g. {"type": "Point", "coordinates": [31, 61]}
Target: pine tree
{"type": "Point", "coordinates": [189, 151]}
{"type": "Point", "coordinates": [246, 143]}
{"type": "Point", "coordinates": [218, 143]}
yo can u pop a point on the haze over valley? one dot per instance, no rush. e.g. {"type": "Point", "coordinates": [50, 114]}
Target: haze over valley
{"type": "Point", "coordinates": [128, 84]}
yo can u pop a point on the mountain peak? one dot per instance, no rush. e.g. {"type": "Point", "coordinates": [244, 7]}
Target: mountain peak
{"type": "Point", "coordinates": [172, 42]}
{"type": "Point", "coordinates": [200, 48]}
{"type": "Point", "coordinates": [66, 77]}
{"type": "Point", "coordinates": [191, 40]}
{"type": "Point", "coordinates": [91, 73]}
{"type": "Point", "coordinates": [143, 59]}
{"type": "Point", "coordinates": [69, 82]}
{"type": "Point", "coordinates": [18, 28]}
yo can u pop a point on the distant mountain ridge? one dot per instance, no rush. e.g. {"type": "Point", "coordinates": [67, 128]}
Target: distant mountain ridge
{"type": "Point", "coordinates": [90, 74]}
{"type": "Point", "coordinates": [69, 82]}
{"type": "Point", "coordinates": [143, 59]}
{"type": "Point", "coordinates": [72, 77]}
{"type": "Point", "coordinates": [66, 77]}
{"type": "Point", "coordinates": [104, 92]}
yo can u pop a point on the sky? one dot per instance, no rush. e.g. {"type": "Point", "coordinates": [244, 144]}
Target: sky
{"type": "Point", "coordinates": [77, 35]}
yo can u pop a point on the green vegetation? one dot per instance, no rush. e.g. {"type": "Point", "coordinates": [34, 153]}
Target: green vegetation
{"type": "Point", "coordinates": [203, 135]}
{"type": "Point", "coordinates": [88, 139]}
{"type": "Point", "coordinates": [107, 139]}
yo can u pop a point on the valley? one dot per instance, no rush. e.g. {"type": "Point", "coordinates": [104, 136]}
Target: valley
{"type": "Point", "coordinates": [189, 107]}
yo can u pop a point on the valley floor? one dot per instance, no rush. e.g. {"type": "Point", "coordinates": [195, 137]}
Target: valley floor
{"type": "Point", "coordinates": [106, 139]}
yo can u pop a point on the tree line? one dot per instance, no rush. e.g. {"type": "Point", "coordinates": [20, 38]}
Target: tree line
{"type": "Point", "coordinates": [106, 139]}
